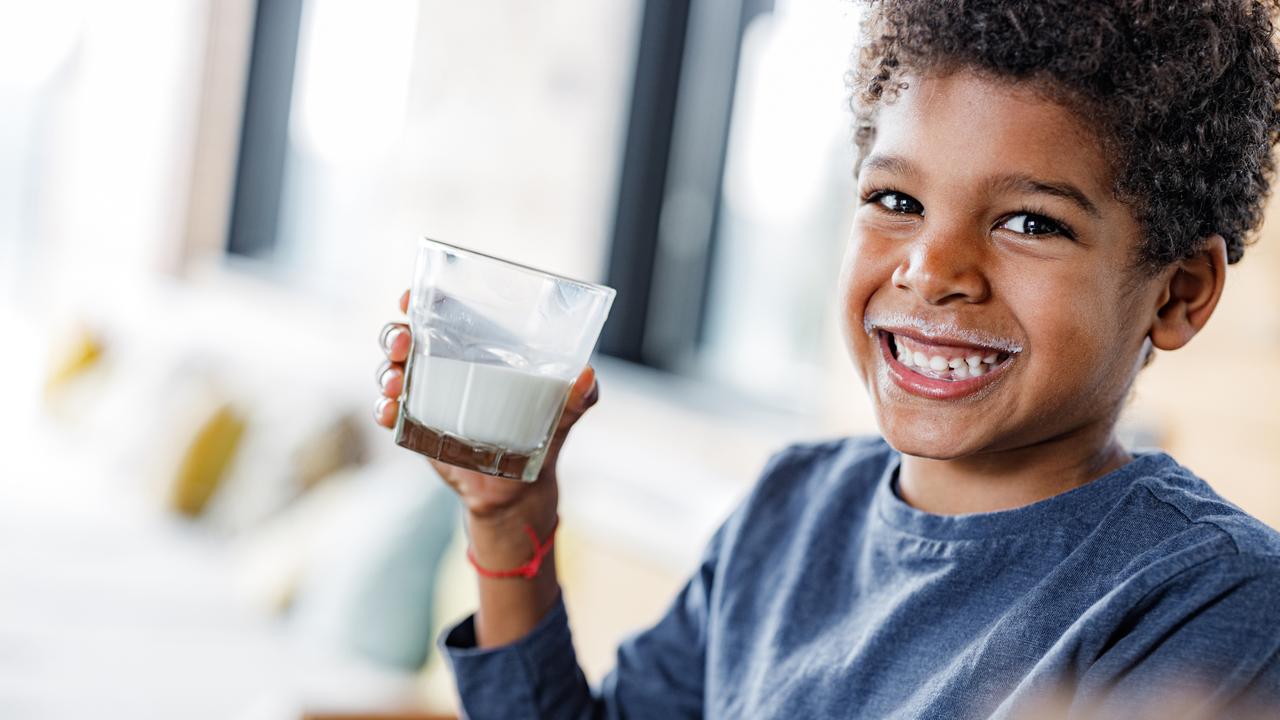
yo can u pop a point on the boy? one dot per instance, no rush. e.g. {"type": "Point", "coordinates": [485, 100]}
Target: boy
{"type": "Point", "coordinates": [1048, 192]}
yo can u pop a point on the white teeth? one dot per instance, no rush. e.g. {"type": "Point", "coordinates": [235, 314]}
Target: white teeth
{"type": "Point", "coordinates": [953, 368]}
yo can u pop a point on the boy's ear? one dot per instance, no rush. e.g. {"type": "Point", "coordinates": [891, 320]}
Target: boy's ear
{"type": "Point", "coordinates": [1191, 291]}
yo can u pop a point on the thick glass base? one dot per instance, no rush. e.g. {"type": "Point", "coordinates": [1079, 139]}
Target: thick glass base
{"type": "Point", "coordinates": [468, 454]}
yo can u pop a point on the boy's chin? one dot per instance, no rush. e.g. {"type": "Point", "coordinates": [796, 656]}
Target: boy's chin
{"type": "Point", "coordinates": [936, 442]}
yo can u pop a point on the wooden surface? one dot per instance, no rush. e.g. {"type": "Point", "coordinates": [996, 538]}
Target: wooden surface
{"type": "Point", "coordinates": [377, 716]}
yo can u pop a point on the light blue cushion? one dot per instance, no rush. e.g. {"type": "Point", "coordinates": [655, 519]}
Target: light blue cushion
{"type": "Point", "coordinates": [370, 589]}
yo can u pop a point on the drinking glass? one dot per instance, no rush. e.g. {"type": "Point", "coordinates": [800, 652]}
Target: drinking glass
{"type": "Point", "coordinates": [496, 348]}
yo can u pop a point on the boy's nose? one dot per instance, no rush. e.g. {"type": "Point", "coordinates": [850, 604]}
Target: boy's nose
{"type": "Point", "coordinates": [943, 268]}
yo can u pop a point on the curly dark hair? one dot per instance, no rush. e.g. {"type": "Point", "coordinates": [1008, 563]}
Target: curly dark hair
{"type": "Point", "coordinates": [1184, 94]}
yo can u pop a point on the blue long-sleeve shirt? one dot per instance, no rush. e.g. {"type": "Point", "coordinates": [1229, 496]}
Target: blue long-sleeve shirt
{"type": "Point", "coordinates": [825, 595]}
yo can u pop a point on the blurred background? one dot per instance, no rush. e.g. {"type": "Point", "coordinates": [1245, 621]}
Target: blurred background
{"type": "Point", "coordinates": [208, 209]}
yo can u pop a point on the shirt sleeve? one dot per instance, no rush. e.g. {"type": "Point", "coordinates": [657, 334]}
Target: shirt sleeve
{"type": "Point", "coordinates": [659, 673]}
{"type": "Point", "coordinates": [1207, 640]}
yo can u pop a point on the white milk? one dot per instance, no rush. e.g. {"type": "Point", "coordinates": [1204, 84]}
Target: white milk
{"type": "Point", "coordinates": [490, 404]}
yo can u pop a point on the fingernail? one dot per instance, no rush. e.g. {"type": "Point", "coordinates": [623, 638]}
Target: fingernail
{"type": "Point", "coordinates": [385, 378]}
{"type": "Point", "coordinates": [389, 340]}
{"type": "Point", "coordinates": [378, 408]}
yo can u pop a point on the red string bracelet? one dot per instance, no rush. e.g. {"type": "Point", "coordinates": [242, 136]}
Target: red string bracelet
{"type": "Point", "coordinates": [528, 570]}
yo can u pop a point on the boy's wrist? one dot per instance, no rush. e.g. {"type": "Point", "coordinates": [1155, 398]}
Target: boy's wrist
{"type": "Point", "coordinates": [500, 541]}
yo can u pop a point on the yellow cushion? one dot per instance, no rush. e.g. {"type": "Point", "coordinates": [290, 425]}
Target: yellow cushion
{"type": "Point", "coordinates": [205, 461]}
{"type": "Point", "coordinates": [67, 363]}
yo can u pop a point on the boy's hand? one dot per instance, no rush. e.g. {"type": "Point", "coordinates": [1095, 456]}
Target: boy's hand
{"type": "Point", "coordinates": [488, 498]}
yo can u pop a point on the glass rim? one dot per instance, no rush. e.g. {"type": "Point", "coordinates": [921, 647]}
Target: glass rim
{"type": "Point", "coordinates": [596, 287]}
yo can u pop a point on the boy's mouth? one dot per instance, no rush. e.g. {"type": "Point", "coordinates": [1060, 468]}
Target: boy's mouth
{"type": "Point", "coordinates": [941, 369]}
{"type": "Point", "coordinates": [950, 363]}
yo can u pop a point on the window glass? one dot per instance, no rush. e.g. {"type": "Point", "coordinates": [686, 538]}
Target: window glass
{"type": "Point", "coordinates": [37, 41]}
{"type": "Point", "coordinates": [786, 206]}
{"type": "Point", "coordinates": [498, 126]}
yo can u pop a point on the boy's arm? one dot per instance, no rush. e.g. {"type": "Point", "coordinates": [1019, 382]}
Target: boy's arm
{"type": "Point", "coordinates": [660, 672]}
{"type": "Point", "coordinates": [1210, 637]}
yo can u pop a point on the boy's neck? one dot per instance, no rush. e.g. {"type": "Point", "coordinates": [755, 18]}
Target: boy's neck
{"type": "Point", "coordinates": [1011, 478]}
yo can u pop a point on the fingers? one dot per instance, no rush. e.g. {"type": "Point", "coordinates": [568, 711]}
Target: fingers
{"type": "Point", "coordinates": [391, 379]}
{"type": "Point", "coordinates": [385, 412]}
{"type": "Point", "coordinates": [395, 341]}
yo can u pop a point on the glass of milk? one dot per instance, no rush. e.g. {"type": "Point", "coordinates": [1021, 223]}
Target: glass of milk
{"type": "Point", "coordinates": [496, 348]}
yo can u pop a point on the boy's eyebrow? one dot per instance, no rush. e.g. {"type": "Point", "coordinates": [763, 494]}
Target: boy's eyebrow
{"type": "Point", "coordinates": [1027, 184]}
{"type": "Point", "coordinates": [1016, 182]}
{"type": "Point", "coordinates": [895, 164]}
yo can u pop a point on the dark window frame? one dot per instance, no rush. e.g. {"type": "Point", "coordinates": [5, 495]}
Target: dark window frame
{"type": "Point", "coordinates": [264, 131]}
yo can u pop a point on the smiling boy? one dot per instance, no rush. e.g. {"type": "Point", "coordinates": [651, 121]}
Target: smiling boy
{"type": "Point", "coordinates": [1049, 192]}
{"type": "Point", "coordinates": [997, 286]}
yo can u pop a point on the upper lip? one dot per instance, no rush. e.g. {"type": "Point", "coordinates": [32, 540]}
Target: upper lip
{"type": "Point", "coordinates": [946, 333]}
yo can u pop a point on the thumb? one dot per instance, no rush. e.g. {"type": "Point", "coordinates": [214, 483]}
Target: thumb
{"type": "Point", "coordinates": [585, 391]}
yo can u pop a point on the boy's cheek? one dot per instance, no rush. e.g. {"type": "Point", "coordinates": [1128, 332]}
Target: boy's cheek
{"type": "Point", "coordinates": [860, 346]}
{"type": "Point", "coordinates": [857, 343]}
{"type": "Point", "coordinates": [1072, 322]}
{"type": "Point", "coordinates": [867, 267]}
{"type": "Point", "coordinates": [853, 294]}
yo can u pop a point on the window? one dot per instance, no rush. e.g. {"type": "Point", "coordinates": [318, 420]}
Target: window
{"type": "Point", "coordinates": [495, 125]}
{"type": "Point", "coordinates": [695, 155]}
{"type": "Point", "coordinates": [786, 209]}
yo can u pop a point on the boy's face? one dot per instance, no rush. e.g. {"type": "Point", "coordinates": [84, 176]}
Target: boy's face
{"type": "Point", "coordinates": [990, 296]}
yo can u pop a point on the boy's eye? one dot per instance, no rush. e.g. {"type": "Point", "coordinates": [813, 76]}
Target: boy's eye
{"type": "Point", "coordinates": [1032, 224]}
{"type": "Point", "coordinates": [896, 202]}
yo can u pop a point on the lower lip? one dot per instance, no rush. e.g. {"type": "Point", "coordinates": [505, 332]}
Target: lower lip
{"type": "Point", "coordinates": [934, 389]}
